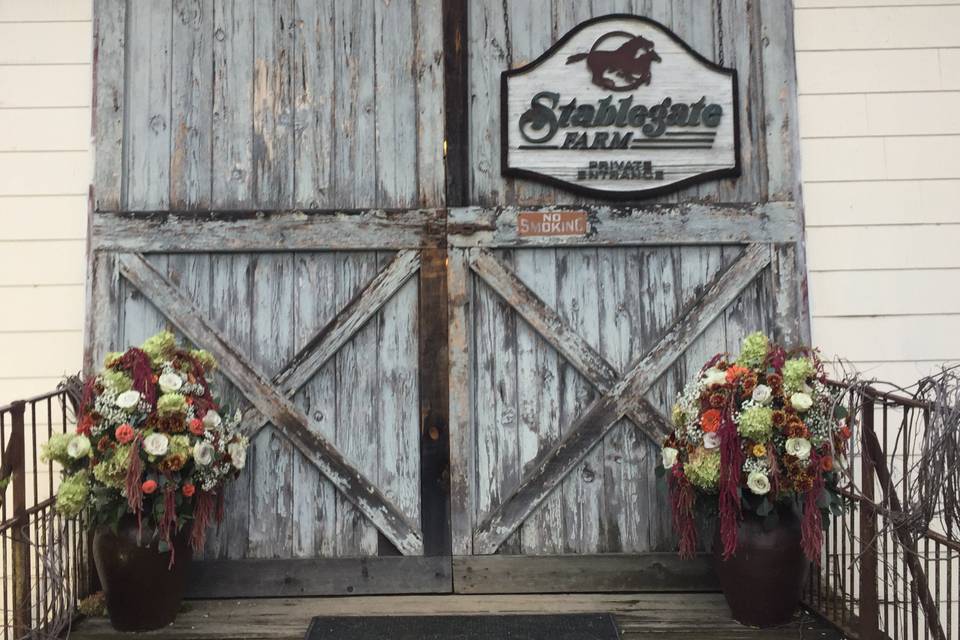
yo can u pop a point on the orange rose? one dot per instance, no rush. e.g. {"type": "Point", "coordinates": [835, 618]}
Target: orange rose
{"type": "Point", "coordinates": [149, 486]}
{"type": "Point", "coordinates": [735, 372]}
{"type": "Point", "coordinates": [124, 433]}
{"type": "Point", "coordinates": [196, 427]}
{"type": "Point", "coordinates": [826, 463]}
{"type": "Point", "coordinates": [188, 490]}
{"type": "Point", "coordinates": [710, 421]}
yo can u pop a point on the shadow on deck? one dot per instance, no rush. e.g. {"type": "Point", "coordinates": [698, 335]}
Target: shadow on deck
{"type": "Point", "coordinates": [664, 616]}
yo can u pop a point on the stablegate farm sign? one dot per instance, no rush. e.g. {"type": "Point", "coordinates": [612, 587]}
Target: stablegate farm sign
{"type": "Point", "coordinates": [620, 107]}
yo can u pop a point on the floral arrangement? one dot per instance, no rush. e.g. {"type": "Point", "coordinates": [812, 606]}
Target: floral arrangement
{"type": "Point", "coordinates": [150, 441]}
{"type": "Point", "coordinates": [761, 431]}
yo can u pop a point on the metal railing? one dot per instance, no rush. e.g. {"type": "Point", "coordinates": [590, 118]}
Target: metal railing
{"type": "Point", "coordinates": [879, 576]}
{"type": "Point", "coordinates": [44, 555]}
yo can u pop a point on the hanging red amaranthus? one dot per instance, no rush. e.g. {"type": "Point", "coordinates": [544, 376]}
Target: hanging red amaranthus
{"type": "Point", "coordinates": [137, 363]}
{"type": "Point", "coordinates": [682, 498]}
{"type": "Point", "coordinates": [811, 528]}
{"type": "Point", "coordinates": [731, 462]}
{"type": "Point", "coordinates": [204, 510]}
{"type": "Point", "coordinates": [132, 481]}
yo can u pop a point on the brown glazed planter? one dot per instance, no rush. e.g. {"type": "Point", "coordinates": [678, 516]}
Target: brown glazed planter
{"type": "Point", "coordinates": [764, 579]}
{"type": "Point", "coordinates": [142, 592]}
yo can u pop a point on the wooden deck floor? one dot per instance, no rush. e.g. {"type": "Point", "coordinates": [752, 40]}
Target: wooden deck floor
{"type": "Point", "coordinates": [641, 616]}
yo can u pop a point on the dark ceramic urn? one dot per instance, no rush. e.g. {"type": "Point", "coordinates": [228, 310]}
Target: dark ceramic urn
{"type": "Point", "coordinates": [142, 590]}
{"type": "Point", "coordinates": [764, 579]}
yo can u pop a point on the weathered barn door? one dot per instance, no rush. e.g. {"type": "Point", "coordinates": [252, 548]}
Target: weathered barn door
{"type": "Point", "coordinates": [567, 350]}
{"type": "Point", "coordinates": [311, 189]}
{"type": "Point", "coordinates": [269, 183]}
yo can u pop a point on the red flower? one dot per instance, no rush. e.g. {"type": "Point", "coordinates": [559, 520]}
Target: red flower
{"type": "Point", "coordinates": [188, 490]}
{"type": "Point", "coordinates": [149, 486]}
{"type": "Point", "coordinates": [710, 420]}
{"type": "Point", "coordinates": [826, 463]}
{"type": "Point", "coordinates": [124, 433]}
{"type": "Point", "coordinates": [196, 427]}
{"type": "Point", "coordinates": [845, 432]}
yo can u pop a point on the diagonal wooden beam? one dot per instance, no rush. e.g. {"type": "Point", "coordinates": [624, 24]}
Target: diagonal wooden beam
{"type": "Point", "coordinates": [568, 343]}
{"type": "Point", "coordinates": [329, 340]}
{"type": "Point", "coordinates": [286, 416]}
{"type": "Point", "coordinates": [604, 412]}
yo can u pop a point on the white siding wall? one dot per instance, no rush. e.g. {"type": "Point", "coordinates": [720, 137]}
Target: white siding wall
{"type": "Point", "coordinates": [879, 84]}
{"type": "Point", "coordinates": [45, 55]}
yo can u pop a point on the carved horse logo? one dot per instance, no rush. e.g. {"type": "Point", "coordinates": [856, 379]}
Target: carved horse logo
{"type": "Point", "coordinates": [630, 62]}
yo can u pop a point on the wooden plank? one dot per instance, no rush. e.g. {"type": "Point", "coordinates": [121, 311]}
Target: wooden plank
{"type": "Point", "coordinates": [191, 156]}
{"type": "Point", "coordinates": [538, 397]}
{"type": "Point", "coordinates": [147, 106]}
{"type": "Point", "coordinates": [102, 304]}
{"type": "Point", "coordinates": [232, 126]}
{"type": "Point", "coordinates": [495, 398]}
{"type": "Point", "coordinates": [139, 317]}
{"type": "Point", "coordinates": [780, 107]}
{"type": "Point", "coordinates": [109, 41]}
{"type": "Point", "coordinates": [356, 396]}
{"type": "Point", "coordinates": [314, 73]}
{"type": "Point", "coordinates": [261, 231]}
{"type": "Point", "coordinates": [431, 338]}
{"type": "Point", "coordinates": [355, 104]}
{"type": "Point", "coordinates": [788, 320]}
{"type": "Point", "coordinates": [281, 411]}
{"type": "Point", "coordinates": [578, 298]}
{"type": "Point", "coordinates": [488, 43]}
{"type": "Point", "coordinates": [687, 223]}
{"type": "Point", "coordinates": [460, 353]}
{"type": "Point", "coordinates": [319, 577]}
{"type": "Point", "coordinates": [314, 498]}
{"type": "Point", "coordinates": [395, 145]}
{"type": "Point", "coordinates": [272, 454]}
{"type": "Point", "coordinates": [589, 573]}
{"type": "Point", "coordinates": [627, 478]}
{"type": "Point", "coordinates": [273, 110]}
{"type": "Point", "coordinates": [231, 299]}
{"type": "Point", "coordinates": [590, 427]}
{"type": "Point", "coordinates": [326, 342]}
{"type": "Point", "coordinates": [740, 31]}
{"type": "Point", "coordinates": [556, 330]}
{"type": "Point", "coordinates": [669, 616]}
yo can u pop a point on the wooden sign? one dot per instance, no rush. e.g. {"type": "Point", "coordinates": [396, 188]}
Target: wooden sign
{"type": "Point", "coordinates": [552, 223]}
{"type": "Point", "coordinates": [620, 107]}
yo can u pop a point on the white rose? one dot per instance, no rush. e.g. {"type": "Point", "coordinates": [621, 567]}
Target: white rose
{"type": "Point", "coordinates": [762, 394]}
{"type": "Point", "coordinates": [212, 419]}
{"type": "Point", "coordinates": [801, 401]}
{"type": "Point", "coordinates": [714, 376]}
{"type": "Point", "coordinates": [758, 483]}
{"type": "Point", "coordinates": [78, 447]}
{"type": "Point", "coordinates": [170, 382]}
{"type": "Point", "coordinates": [711, 440]}
{"type": "Point", "coordinates": [238, 454]}
{"type": "Point", "coordinates": [156, 444]}
{"type": "Point", "coordinates": [669, 455]}
{"type": "Point", "coordinates": [798, 448]}
{"type": "Point", "coordinates": [203, 453]}
{"type": "Point", "coordinates": [128, 399]}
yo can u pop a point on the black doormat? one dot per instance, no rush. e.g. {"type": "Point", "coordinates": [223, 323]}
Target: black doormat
{"type": "Point", "coordinates": [592, 626]}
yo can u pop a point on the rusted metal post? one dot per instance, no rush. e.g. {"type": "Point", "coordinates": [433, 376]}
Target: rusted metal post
{"type": "Point", "coordinates": [869, 598]}
{"type": "Point", "coordinates": [21, 545]}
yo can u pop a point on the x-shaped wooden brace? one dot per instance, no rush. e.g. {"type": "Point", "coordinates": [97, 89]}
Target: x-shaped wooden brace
{"type": "Point", "coordinates": [619, 396]}
{"type": "Point", "coordinates": [271, 399]}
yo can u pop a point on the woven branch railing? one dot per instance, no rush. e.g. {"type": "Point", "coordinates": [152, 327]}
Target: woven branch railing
{"type": "Point", "coordinates": [886, 571]}
{"type": "Point", "coordinates": [44, 556]}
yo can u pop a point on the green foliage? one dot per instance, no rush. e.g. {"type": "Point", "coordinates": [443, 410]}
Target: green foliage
{"type": "Point", "coordinates": [756, 423]}
{"type": "Point", "coordinates": [754, 350]}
